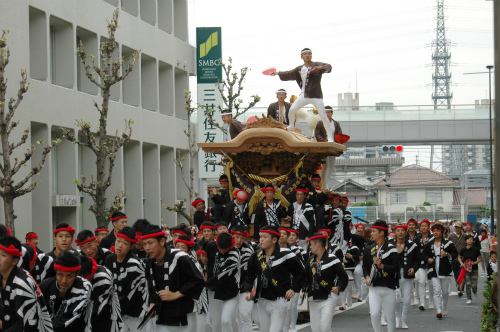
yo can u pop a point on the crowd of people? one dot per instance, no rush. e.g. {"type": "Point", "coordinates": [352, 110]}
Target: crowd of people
{"type": "Point", "coordinates": [217, 276]}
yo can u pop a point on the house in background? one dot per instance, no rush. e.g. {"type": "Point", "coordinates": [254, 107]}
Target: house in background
{"type": "Point", "coordinates": [355, 191]}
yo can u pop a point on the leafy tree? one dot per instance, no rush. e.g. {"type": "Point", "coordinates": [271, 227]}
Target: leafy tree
{"type": "Point", "coordinates": [366, 203]}
{"type": "Point", "coordinates": [12, 183]}
{"type": "Point", "coordinates": [427, 204]}
{"type": "Point", "coordinates": [109, 72]}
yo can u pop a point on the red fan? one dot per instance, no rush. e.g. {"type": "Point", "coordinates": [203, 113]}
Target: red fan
{"type": "Point", "coordinates": [341, 138]}
{"type": "Point", "coordinates": [468, 265]}
{"type": "Point", "coordinates": [461, 276]}
{"type": "Point", "coordinates": [251, 119]}
{"type": "Point", "coordinates": [269, 71]}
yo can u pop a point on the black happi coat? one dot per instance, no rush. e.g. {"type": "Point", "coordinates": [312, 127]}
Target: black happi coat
{"type": "Point", "coordinates": [305, 223]}
{"type": "Point", "coordinates": [23, 308]}
{"type": "Point", "coordinates": [419, 241]}
{"type": "Point", "coordinates": [43, 268]}
{"type": "Point", "coordinates": [246, 251]}
{"type": "Point", "coordinates": [301, 254]}
{"type": "Point", "coordinates": [320, 278]}
{"type": "Point", "coordinates": [102, 254]}
{"type": "Point", "coordinates": [200, 217]}
{"type": "Point", "coordinates": [68, 313]}
{"type": "Point", "coordinates": [409, 258]}
{"type": "Point", "coordinates": [105, 306]}
{"type": "Point", "coordinates": [223, 273]}
{"type": "Point", "coordinates": [350, 263]}
{"type": "Point", "coordinates": [177, 273]}
{"type": "Point", "coordinates": [267, 215]}
{"type": "Point", "coordinates": [337, 226]}
{"type": "Point", "coordinates": [130, 284]}
{"type": "Point", "coordinates": [445, 268]}
{"type": "Point", "coordinates": [109, 240]}
{"type": "Point", "coordinates": [336, 250]}
{"type": "Point", "coordinates": [389, 275]}
{"type": "Point", "coordinates": [233, 216]}
{"type": "Point", "coordinates": [347, 220]}
{"type": "Point", "coordinates": [275, 277]}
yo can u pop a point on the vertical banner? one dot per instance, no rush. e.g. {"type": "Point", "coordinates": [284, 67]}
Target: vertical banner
{"type": "Point", "coordinates": [209, 72]}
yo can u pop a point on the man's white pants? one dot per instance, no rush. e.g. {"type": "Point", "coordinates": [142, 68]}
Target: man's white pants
{"type": "Point", "coordinates": [348, 291]}
{"type": "Point", "coordinates": [321, 313]}
{"type": "Point", "coordinates": [272, 314]}
{"type": "Point", "coordinates": [441, 288]}
{"type": "Point", "coordinates": [327, 170]}
{"type": "Point", "coordinates": [403, 307]}
{"type": "Point", "coordinates": [131, 324]}
{"type": "Point", "coordinates": [359, 281]}
{"type": "Point", "coordinates": [292, 313]}
{"type": "Point", "coordinates": [382, 298]}
{"type": "Point", "coordinates": [320, 106]}
{"type": "Point", "coordinates": [191, 327]}
{"type": "Point", "coordinates": [420, 281]}
{"type": "Point", "coordinates": [201, 322]}
{"type": "Point", "coordinates": [222, 313]}
{"type": "Point", "coordinates": [244, 313]}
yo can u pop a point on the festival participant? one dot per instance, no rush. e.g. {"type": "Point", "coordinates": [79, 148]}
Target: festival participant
{"type": "Point", "coordinates": [176, 232]}
{"type": "Point", "coordinates": [87, 242]}
{"type": "Point", "coordinates": [492, 266]}
{"type": "Point", "coordinates": [412, 232]}
{"type": "Point", "coordinates": [336, 222]}
{"type": "Point", "coordinates": [63, 238]}
{"type": "Point", "coordinates": [244, 317]}
{"type": "Point", "coordinates": [278, 274]}
{"type": "Point", "coordinates": [104, 303]}
{"type": "Point", "coordinates": [308, 77]}
{"type": "Point", "coordinates": [236, 212]}
{"type": "Point", "coordinates": [322, 132]}
{"type": "Point", "coordinates": [67, 295]}
{"type": "Point", "coordinates": [199, 212]}
{"type": "Point", "coordinates": [301, 215]}
{"type": "Point", "coordinates": [269, 211]}
{"type": "Point", "coordinates": [325, 278]}
{"type": "Point", "coordinates": [351, 259]}
{"type": "Point", "coordinates": [292, 240]}
{"type": "Point", "coordinates": [234, 126]}
{"type": "Point", "coordinates": [139, 226]}
{"type": "Point", "coordinates": [438, 253]}
{"type": "Point", "coordinates": [119, 220]}
{"type": "Point", "coordinates": [470, 252]}
{"type": "Point", "coordinates": [23, 306]}
{"type": "Point", "coordinates": [222, 281]}
{"type": "Point", "coordinates": [346, 218]}
{"type": "Point", "coordinates": [32, 237]}
{"type": "Point", "coordinates": [421, 240]}
{"type": "Point", "coordinates": [486, 245]}
{"type": "Point", "coordinates": [470, 231]}
{"type": "Point", "coordinates": [129, 279]}
{"type": "Point", "coordinates": [186, 244]}
{"type": "Point", "coordinates": [199, 237]}
{"type": "Point", "coordinates": [380, 268]}
{"type": "Point", "coordinates": [280, 109]}
{"type": "Point", "coordinates": [40, 265]}
{"type": "Point", "coordinates": [358, 239]}
{"type": "Point", "coordinates": [175, 283]}
{"type": "Point", "coordinates": [458, 239]}
{"type": "Point", "coordinates": [100, 233]}
{"type": "Point", "coordinates": [220, 228]}
{"type": "Point", "coordinates": [408, 265]}
{"type": "Point", "coordinates": [207, 229]}
{"type": "Point", "coordinates": [220, 197]}
{"type": "Point", "coordinates": [317, 199]}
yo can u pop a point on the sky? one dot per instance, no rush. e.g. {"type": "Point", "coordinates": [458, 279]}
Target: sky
{"type": "Point", "coordinates": [380, 49]}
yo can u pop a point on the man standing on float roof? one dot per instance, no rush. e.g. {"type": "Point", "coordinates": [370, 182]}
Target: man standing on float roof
{"type": "Point", "coordinates": [308, 77]}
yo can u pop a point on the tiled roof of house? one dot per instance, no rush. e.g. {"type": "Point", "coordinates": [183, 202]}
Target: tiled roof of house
{"type": "Point", "coordinates": [352, 189]}
{"type": "Point", "coordinates": [475, 197]}
{"type": "Point", "coordinates": [416, 176]}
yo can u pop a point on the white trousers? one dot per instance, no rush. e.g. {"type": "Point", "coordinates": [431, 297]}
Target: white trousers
{"type": "Point", "coordinates": [359, 281]}
{"type": "Point", "coordinates": [348, 290]}
{"type": "Point", "coordinates": [272, 314]}
{"type": "Point", "coordinates": [201, 322]}
{"type": "Point", "coordinates": [292, 313]}
{"type": "Point", "coordinates": [420, 281]}
{"type": "Point", "coordinates": [222, 313]}
{"type": "Point", "coordinates": [382, 298]}
{"type": "Point", "coordinates": [327, 170]}
{"type": "Point", "coordinates": [441, 288]}
{"type": "Point", "coordinates": [320, 106]}
{"type": "Point", "coordinates": [244, 313]}
{"type": "Point", "coordinates": [403, 307]}
{"type": "Point", "coordinates": [322, 313]}
{"type": "Point", "coordinates": [130, 324]}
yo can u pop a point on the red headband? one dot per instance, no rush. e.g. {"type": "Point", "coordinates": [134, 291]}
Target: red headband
{"type": "Point", "coordinates": [94, 269]}
{"type": "Point", "coordinates": [200, 232]}
{"type": "Point", "coordinates": [66, 229]}
{"type": "Point", "coordinates": [118, 218]}
{"type": "Point", "coordinates": [400, 226]}
{"type": "Point", "coordinates": [101, 230]}
{"type": "Point", "coordinates": [86, 241]}
{"type": "Point", "coordinates": [322, 236]}
{"type": "Point", "coordinates": [325, 230]}
{"type": "Point", "coordinates": [238, 198]}
{"type": "Point", "coordinates": [391, 232]}
{"type": "Point", "coordinates": [357, 225]}
{"type": "Point", "coordinates": [148, 236]}
{"type": "Point", "coordinates": [425, 221]}
{"type": "Point", "coordinates": [220, 225]}
{"type": "Point", "coordinates": [284, 229]}
{"type": "Point", "coordinates": [67, 268]}
{"type": "Point", "coordinates": [35, 254]}
{"type": "Point", "coordinates": [345, 199]}
{"type": "Point", "coordinates": [268, 189]}
{"type": "Point", "coordinates": [112, 249]}
{"type": "Point", "coordinates": [200, 252]}
{"type": "Point", "coordinates": [468, 223]}
{"type": "Point", "coordinates": [197, 201]}
{"type": "Point", "coordinates": [31, 236]}
{"type": "Point", "coordinates": [271, 232]}
{"type": "Point", "coordinates": [294, 231]}
{"type": "Point", "coordinates": [125, 237]}
{"type": "Point", "coordinates": [335, 196]}
{"type": "Point", "coordinates": [207, 226]}
{"type": "Point", "coordinates": [177, 231]}
{"type": "Point", "coordinates": [138, 236]}
{"type": "Point", "coordinates": [244, 234]}
{"type": "Point", "coordinates": [11, 250]}
{"type": "Point", "coordinates": [232, 243]}
{"type": "Point", "coordinates": [225, 180]}
{"type": "Point", "coordinates": [190, 243]}
{"type": "Point", "coordinates": [305, 191]}
{"type": "Point", "coordinates": [380, 227]}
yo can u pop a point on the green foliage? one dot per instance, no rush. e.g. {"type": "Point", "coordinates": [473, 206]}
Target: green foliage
{"type": "Point", "coordinates": [409, 208]}
{"type": "Point", "coordinates": [367, 203]}
{"type": "Point", "coordinates": [489, 317]}
{"type": "Point", "coordinates": [440, 208]}
{"type": "Point", "coordinates": [426, 204]}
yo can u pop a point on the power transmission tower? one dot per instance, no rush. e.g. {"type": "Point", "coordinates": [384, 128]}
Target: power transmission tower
{"type": "Point", "coordinates": [441, 78]}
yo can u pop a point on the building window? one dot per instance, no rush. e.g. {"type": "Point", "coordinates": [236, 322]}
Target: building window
{"type": "Point", "coordinates": [434, 196]}
{"type": "Point", "coordinates": [398, 196]}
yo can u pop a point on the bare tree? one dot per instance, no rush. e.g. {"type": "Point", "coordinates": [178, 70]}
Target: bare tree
{"type": "Point", "coordinates": [109, 72]}
{"type": "Point", "coordinates": [10, 189]}
{"type": "Point", "coordinates": [180, 162]}
{"type": "Point", "coordinates": [230, 89]}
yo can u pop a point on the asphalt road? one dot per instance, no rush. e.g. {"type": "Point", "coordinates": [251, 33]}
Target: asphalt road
{"type": "Point", "coordinates": [461, 317]}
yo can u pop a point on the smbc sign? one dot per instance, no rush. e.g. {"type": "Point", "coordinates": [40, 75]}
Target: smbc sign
{"type": "Point", "coordinates": [208, 54]}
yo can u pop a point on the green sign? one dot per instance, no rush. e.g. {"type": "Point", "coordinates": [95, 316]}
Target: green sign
{"type": "Point", "coordinates": [208, 54]}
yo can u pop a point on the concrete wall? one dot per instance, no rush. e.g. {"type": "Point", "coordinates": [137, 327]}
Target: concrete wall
{"type": "Point", "coordinates": [415, 197]}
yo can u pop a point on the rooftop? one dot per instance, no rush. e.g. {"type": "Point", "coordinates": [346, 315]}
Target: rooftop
{"type": "Point", "coordinates": [416, 176]}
